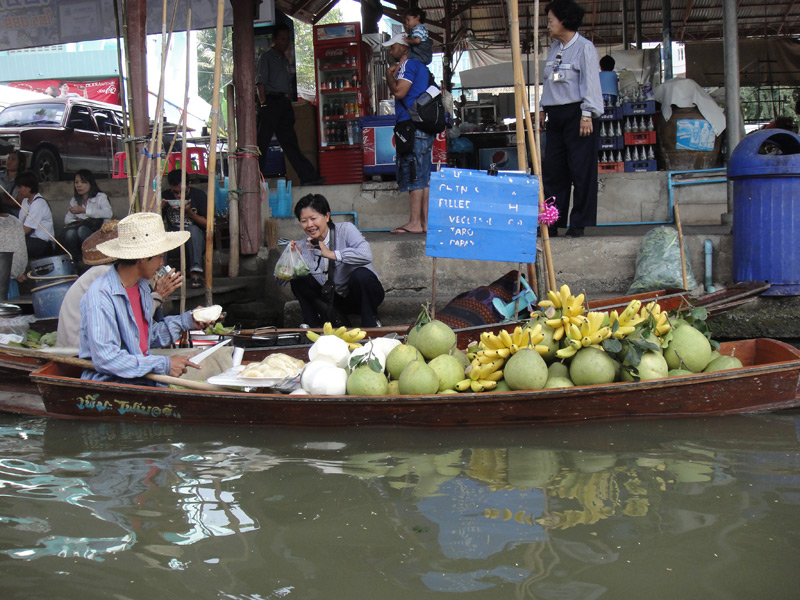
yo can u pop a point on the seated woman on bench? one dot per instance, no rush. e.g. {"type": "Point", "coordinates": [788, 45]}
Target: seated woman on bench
{"type": "Point", "coordinates": [37, 220]}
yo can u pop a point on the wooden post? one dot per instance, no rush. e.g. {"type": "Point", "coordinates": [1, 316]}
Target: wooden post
{"type": "Point", "coordinates": [248, 176]}
{"type": "Point", "coordinates": [519, 86]}
{"type": "Point", "coordinates": [233, 189]}
{"type": "Point", "coordinates": [212, 157]}
{"type": "Point", "coordinates": [136, 42]}
{"type": "Point", "coordinates": [183, 153]}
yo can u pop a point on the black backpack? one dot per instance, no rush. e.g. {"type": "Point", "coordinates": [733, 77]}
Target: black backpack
{"type": "Point", "coordinates": [427, 112]}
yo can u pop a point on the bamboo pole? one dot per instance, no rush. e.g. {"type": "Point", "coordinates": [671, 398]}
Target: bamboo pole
{"type": "Point", "coordinates": [680, 242]}
{"type": "Point", "coordinates": [233, 186]}
{"type": "Point", "coordinates": [87, 364]}
{"type": "Point", "coordinates": [519, 86]}
{"type": "Point", "coordinates": [183, 153]}
{"type": "Point", "coordinates": [212, 156]}
{"type": "Point", "coordinates": [123, 99]}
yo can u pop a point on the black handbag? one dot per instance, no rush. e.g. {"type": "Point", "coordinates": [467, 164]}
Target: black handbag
{"type": "Point", "coordinates": [404, 137]}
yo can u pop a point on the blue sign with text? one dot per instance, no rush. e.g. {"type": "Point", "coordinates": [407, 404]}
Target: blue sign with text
{"type": "Point", "coordinates": [474, 215]}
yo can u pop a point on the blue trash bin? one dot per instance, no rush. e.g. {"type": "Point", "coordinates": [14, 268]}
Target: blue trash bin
{"type": "Point", "coordinates": [765, 169]}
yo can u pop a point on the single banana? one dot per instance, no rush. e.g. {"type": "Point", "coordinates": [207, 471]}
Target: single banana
{"type": "Point", "coordinates": [567, 352]}
{"type": "Point", "coordinates": [516, 337]}
{"type": "Point", "coordinates": [494, 354]}
{"type": "Point", "coordinates": [463, 385]}
{"type": "Point", "coordinates": [488, 384]}
{"type": "Point", "coordinates": [353, 345]}
{"type": "Point", "coordinates": [505, 337]}
{"type": "Point", "coordinates": [486, 370]}
{"type": "Point", "coordinates": [312, 335]}
{"type": "Point", "coordinates": [555, 299]}
{"type": "Point", "coordinates": [476, 386]}
{"type": "Point", "coordinates": [542, 349]}
{"type": "Point", "coordinates": [491, 341]}
{"type": "Point", "coordinates": [327, 329]}
{"type": "Point", "coordinates": [565, 294]}
{"type": "Point", "coordinates": [495, 376]}
{"type": "Point", "coordinates": [340, 331]}
{"type": "Point", "coordinates": [486, 356]}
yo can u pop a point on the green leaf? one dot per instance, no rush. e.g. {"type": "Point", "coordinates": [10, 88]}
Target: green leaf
{"type": "Point", "coordinates": [615, 327]}
{"type": "Point", "coordinates": [632, 371]}
{"type": "Point", "coordinates": [612, 345]}
{"type": "Point", "coordinates": [375, 365]}
{"type": "Point", "coordinates": [633, 355]}
{"type": "Point", "coordinates": [699, 313]}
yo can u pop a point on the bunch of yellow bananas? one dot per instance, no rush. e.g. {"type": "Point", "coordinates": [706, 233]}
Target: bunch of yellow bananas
{"type": "Point", "coordinates": [591, 333]}
{"type": "Point", "coordinates": [569, 310]}
{"type": "Point", "coordinates": [504, 344]}
{"type": "Point", "coordinates": [482, 376]}
{"type": "Point", "coordinates": [628, 320]}
{"type": "Point", "coordinates": [351, 336]}
{"type": "Point", "coordinates": [659, 324]}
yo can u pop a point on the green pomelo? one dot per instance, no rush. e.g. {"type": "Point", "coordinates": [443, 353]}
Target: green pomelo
{"type": "Point", "coordinates": [411, 338]}
{"type": "Point", "coordinates": [434, 339]}
{"type": "Point", "coordinates": [526, 370]}
{"type": "Point", "coordinates": [394, 388]}
{"type": "Point", "coordinates": [651, 366]}
{"type": "Point", "coordinates": [461, 356]}
{"type": "Point", "coordinates": [558, 382]}
{"type": "Point", "coordinates": [590, 366]}
{"type": "Point", "coordinates": [722, 363]}
{"type": "Point", "coordinates": [399, 358]}
{"type": "Point", "coordinates": [448, 369]}
{"type": "Point", "coordinates": [714, 355]}
{"type": "Point", "coordinates": [690, 347]}
{"type": "Point", "coordinates": [552, 345]}
{"type": "Point", "coordinates": [448, 391]}
{"type": "Point", "coordinates": [557, 369]}
{"type": "Point", "coordinates": [501, 386]}
{"type": "Point", "coordinates": [678, 372]}
{"type": "Point", "coordinates": [364, 381]}
{"type": "Point", "coordinates": [418, 378]}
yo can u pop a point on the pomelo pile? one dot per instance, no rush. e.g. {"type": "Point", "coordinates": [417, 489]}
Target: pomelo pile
{"type": "Point", "coordinates": [561, 346]}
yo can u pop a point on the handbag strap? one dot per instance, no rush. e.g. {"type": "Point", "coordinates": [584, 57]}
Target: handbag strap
{"type": "Point", "coordinates": [331, 261]}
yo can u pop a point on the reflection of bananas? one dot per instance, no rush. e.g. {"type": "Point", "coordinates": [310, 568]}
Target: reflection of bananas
{"type": "Point", "coordinates": [591, 333]}
{"type": "Point", "coordinates": [352, 336]}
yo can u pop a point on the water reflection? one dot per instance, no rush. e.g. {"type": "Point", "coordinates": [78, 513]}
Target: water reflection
{"type": "Point", "coordinates": [569, 512]}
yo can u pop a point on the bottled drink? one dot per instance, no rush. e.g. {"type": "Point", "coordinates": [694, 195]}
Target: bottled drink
{"type": "Point", "coordinates": [326, 110]}
{"type": "Point", "coordinates": [627, 153]}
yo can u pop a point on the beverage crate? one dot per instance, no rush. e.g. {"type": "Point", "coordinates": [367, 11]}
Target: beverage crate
{"type": "Point", "coordinates": [616, 142]}
{"type": "Point", "coordinates": [640, 166]}
{"type": "Point", "coordinates": [640, 138]}
{"type": "Point", "coordinates": [630, 109]}
{"type": "Point", "coordinates": [612, 113]}
{"type": "Point", "coordinates": [614, 167]}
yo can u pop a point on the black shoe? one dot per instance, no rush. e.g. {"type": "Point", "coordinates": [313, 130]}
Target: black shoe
{"type": "Point", "coordinates": [317, 181]}
{"type": "Point", "coordinates": [552, 232]}
{"type": "Point", "coordinates": [575, 232]}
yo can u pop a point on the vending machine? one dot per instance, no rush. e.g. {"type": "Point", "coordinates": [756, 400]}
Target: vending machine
{"type": "Point", "coordinates": [342, 62]}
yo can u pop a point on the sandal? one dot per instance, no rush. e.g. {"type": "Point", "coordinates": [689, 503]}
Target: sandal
{"type": "Point", "coordinates": [196, 282]}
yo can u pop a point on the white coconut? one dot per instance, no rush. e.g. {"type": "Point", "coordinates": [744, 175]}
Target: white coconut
{"type": "Point", "coordinates": [330, 348]}
{"type": "Point", "coordinates": [385, 344]}
{"type": "Point", "coordinates": [329, 382]}
{"type": "Point", "coordinates": [207, 314]}
{"type": "Point", "coordinates": [311, 370]}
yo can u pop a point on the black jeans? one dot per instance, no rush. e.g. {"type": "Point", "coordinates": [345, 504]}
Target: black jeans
{"type": "Point", "coordinates": [570, 165]}
{"type": "Point", "coordinates": [277, 118]}
{"type": "Point", "coordinates": [37, 248]}
{"type": "Point", "coordinates": [364, 296]}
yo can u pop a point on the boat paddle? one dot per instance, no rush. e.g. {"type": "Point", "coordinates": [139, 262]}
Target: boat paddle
{"type": "Point", "coordinates": [86, 364]}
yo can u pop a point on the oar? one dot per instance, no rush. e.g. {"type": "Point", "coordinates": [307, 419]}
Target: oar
{"type": "Point", "coordinates": [86, 364]}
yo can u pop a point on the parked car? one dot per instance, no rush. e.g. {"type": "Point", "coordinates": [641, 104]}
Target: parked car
{"type": "Point", "coordinates": [59, 136]}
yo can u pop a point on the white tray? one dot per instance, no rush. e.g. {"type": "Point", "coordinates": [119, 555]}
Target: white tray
{"type": "Point", "coordinates": [230, 378]}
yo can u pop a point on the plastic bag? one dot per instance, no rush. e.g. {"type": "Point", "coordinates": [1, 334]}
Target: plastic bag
{"type": "Point", "coordinates": [291, 264]}
{"type": "Point", "coordinates": [658, 265]}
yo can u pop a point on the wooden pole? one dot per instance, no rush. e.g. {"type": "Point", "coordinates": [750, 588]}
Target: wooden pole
{"type": "Point", "coordinates": [135, 13]}
{"type": "Point", "coordinates": [123, 100]}
{"type": "Point", "coordinates": [183, 152]}
{"type": "Point", "coordinates": [519, 86]}
{"type": "Point", "coordinates": [233, 189]}
{"type": "Point", "coordinates": [680, 243]}
{"type": "Point", "coordinates": [87, 364]}
{"type": "Point", "coordinates": [212, 157]}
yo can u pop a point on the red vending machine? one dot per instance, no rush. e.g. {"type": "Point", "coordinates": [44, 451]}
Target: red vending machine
{"type": "Point", "coordinates": [343, 72]}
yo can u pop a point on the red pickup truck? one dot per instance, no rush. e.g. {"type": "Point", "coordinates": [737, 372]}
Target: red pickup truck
{"type": "Point", "coordinates": [60, 136]}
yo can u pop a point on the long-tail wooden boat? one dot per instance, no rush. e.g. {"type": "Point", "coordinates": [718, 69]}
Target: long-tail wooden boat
{"type": "Point", "coordinates": [768, 381]}
{"type": "Point", "coordinates": [258, 342]}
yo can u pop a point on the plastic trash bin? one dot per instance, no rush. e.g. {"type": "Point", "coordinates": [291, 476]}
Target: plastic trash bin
{"type": "Point", "coordinates": [765, 169]}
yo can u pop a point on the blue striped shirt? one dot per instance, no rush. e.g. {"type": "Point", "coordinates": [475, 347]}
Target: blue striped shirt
{"type": "Point", "coordinates": [581, 69]}
{"type": "Point", "coordinates": [110, 336]}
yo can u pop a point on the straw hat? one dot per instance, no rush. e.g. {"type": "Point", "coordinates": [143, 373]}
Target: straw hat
{"type": "Point", "coordinates": [142, 235]}
{"type": "Point", "coordinates": [91, 255]}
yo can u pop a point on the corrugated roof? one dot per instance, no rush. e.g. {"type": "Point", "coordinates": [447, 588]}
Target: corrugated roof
{"type": "Point", "coordinates": [603, 24]}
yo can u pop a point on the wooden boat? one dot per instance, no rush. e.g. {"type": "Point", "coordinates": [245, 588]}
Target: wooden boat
{"type": "Point", "coordinates": [260, 341]}
{"type": "Point", "coordinates": [767, 382]}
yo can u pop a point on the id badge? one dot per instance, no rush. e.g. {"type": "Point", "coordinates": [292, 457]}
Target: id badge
{"type": "Point", "coordinates": [559, 76]}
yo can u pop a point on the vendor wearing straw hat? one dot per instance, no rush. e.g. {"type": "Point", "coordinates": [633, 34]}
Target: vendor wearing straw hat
{"type": "Point", "coordinates": [117, 328]}
{"type": "Point", "coordinates": [69, 316]}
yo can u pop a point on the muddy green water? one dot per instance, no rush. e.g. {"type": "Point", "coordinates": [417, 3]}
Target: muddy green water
{"type": "Point", "coordinates": [695, 508]}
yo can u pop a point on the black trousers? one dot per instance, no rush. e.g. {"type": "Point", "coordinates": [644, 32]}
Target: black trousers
{"type": "Point", "coordinates": [38, 248]}
{"type": "Point", "coordinates": [364, 297]}
{"type": "Point", "coordinates": [277, 118]}
{"type": "Point", "coordinates": [570, 165]}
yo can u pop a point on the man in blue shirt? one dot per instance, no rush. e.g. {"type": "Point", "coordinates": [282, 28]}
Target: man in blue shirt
{"type": "Point", "coordinates": [117, 327]}
{"type": "Point", "coordinates": [407, 79]}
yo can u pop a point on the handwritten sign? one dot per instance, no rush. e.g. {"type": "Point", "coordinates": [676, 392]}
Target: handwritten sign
{"type": "Point", "coordinates": [473, 215]}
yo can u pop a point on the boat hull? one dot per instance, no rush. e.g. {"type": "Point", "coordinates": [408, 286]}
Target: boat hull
{"type": "Point", "coordinates": [768, 382]}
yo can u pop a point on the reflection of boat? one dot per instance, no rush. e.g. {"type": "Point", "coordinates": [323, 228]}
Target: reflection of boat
{"type": "Point", "coordinates": [768, 381]}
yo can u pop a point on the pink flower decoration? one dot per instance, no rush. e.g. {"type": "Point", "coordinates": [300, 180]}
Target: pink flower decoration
{"type": "Point", "coordinates": [548, 213]}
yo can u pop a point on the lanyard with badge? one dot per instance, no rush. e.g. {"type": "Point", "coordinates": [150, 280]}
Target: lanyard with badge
{"type": "Point", "coordinates": [558, 74]}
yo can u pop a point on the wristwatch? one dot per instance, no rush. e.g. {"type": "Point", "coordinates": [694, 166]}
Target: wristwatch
{"type": "Point", "coordinates": [586, 119]}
